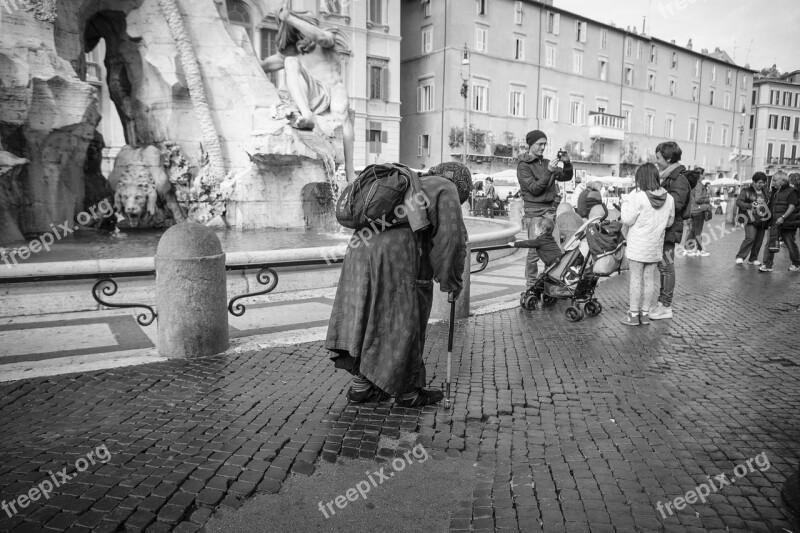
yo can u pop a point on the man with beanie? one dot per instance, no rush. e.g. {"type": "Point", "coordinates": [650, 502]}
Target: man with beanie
{"type": "Point", "coordinates": [537, 178]}
{"type": "Point", "coordinates": [385, 292]}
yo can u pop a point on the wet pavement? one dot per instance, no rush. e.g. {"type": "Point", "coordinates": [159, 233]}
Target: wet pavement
{"type": "Point", "coordinates": [559, 426]}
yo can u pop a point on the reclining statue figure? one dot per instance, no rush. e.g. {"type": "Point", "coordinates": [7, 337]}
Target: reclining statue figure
{"type": "Point", "coordinates": [313, 76]}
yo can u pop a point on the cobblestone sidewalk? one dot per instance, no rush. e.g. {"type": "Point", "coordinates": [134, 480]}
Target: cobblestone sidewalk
{"type": "Point", "coordinates": [574, 427]}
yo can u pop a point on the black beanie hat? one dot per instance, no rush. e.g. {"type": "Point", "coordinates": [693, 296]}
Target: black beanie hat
{"type": "Point", "coordinates": [534, 136]}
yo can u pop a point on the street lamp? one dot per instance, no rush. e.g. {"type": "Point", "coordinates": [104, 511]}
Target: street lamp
{"type": "Point", "coordinates": [739, 150]}
{"type": "Point", "coordinates": [465, 72]}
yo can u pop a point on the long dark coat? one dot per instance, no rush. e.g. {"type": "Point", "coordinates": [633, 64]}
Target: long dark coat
{"type": "Point", "coordinates": [385, 292]}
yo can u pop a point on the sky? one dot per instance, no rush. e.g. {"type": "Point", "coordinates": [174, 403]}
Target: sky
{"type": "Point", "coordinates": [761, 32]}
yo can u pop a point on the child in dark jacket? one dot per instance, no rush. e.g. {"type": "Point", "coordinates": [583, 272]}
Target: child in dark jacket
{"type": "Point", "coordinates": [543, 241]}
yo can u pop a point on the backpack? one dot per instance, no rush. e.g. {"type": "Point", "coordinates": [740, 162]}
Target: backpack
{"type": "Point", "coordinates": [373, 196]}
{"type": "Point", "coordinates": [693, 177]}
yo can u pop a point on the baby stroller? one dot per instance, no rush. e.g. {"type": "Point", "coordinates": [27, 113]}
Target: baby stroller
{"type": "Point", "coordinates": [575, 275]}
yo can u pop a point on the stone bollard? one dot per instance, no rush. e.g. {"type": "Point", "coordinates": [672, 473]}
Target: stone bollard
{"type": "Point", "coordinates": [191, 294]}
{"type": "Point", "coordinates": [441, 307]}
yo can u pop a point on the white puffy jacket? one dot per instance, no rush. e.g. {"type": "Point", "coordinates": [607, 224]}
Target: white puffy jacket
{"type": "Point", "coordinates": [648, 215]}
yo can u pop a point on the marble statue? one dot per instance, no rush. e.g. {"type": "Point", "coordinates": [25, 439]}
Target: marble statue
{"type": "Point", "coordinates": [313, 77]}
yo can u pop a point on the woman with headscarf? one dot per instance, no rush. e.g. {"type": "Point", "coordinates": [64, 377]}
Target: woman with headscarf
{"type": "Point", "coordinates": [385, 292]}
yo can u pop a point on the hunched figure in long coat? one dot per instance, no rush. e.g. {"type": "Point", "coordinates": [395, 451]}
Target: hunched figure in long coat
{"type": "Point", "coordinates": [385, 293]}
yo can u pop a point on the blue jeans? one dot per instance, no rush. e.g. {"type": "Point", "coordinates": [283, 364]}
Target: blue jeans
{"type": "Point", "coordinates": [666, 268]}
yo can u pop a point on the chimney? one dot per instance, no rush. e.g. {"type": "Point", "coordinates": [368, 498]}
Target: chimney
{"type": "Point", "coordinates": [672, 41]}
{"type": "Point", "coordinates": [689, 44]}
{"type": "Point", "coordinates": [634, 31]}
{"type": "Point", "coordinates": [704, 51]}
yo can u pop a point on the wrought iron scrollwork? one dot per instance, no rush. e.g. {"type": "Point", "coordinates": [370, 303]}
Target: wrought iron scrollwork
{"type": "Point", "coordinates": [266, 276]}
{"type": "Point", "coordinates": [483, 259]}
{"type": "Point", "coordinates": [108, 287]}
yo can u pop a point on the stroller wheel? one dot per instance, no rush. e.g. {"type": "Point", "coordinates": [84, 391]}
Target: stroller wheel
{"type": "Point", "coordinates": [593, 308]}
{"type": "Point", "coordinates": [549, 301]}
{"type": "Point", "coordinates": [573, 314]}
{"type": "Point", "coordinates": [529, 302]}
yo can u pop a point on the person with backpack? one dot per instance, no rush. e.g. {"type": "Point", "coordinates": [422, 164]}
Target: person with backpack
{"type": "Point", "coordinates": [700, 204]}
{"type": "Point", "coordinates": [753, 212]}
{"type": "Point", "coordinates": [385, 292]}
{"type": "Point", "coordinates": [678, 182]}
{"type": "Point", "coordinates": [589, 197]}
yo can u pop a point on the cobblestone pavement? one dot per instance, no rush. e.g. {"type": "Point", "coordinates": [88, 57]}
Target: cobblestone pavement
{"type": "Point", "coordinates": [574, 427]}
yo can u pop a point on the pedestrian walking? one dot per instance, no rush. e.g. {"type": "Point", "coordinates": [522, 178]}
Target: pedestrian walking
{"type": "Point", "coordinates": [647, 213]}
{"type": "Point", "coordinates": [700, 208]}
{"type": "Point", "coordinates": [784, 222]}
{"type": "Point", "coordinates": [752, 204]}
{"type": "Point", "coordinates": [537, 178]}
{"type": "Point", "coordinates": [385, 293]}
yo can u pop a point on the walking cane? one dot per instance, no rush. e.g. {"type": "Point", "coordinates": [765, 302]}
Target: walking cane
{"type": "Point", "coordinates": [452, 301]}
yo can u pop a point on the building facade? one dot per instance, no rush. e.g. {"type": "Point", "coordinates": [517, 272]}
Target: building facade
{"type": "Point", "coordinates": [368, 38]}
{"type": "Point", "coordinates": [774, 124]}
{"type": "Point", "coordinates": [606, 94]}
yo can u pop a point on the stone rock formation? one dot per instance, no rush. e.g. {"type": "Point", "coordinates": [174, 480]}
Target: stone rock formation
{"type": "Point", "coordinates": [48, 113]}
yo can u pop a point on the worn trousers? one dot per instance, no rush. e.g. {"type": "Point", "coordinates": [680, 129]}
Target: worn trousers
{"type": "Point", "coordinates": [667, 269]}
{"type": "Point", "coordinates": [787, 236]}
{"type": "Point", "coordinates": [753, 239]}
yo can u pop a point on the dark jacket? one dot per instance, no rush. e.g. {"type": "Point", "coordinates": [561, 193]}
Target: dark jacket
{"type": "Point", "coordinates": [744, 202]}
{"type": "Point", "coordinates": [538, 185]}
{"type": "Point", "coordinates": [544, 244]}
{"type": "Point", "coordinates": [700, 199]}
{"type": "Point", "coordinates": [677, 184]}
{"type": "Point", "coordinates": [587, 200]}
{"type": "Point", "coordinates": [778, 204]}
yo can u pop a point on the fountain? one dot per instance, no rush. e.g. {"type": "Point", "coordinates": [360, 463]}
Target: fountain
{"type": "Point", "coordinates": [208, 138]}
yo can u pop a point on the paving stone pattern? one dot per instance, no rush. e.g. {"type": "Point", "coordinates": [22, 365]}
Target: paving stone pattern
{"type": "Point", "coordinates": [575, 427]}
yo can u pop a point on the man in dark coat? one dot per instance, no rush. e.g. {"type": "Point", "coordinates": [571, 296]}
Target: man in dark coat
{"type": "Point", "coordinates": [537, 178]}
{"type": "Point", "coordinates": [783, 204]}
{"type": "Point", "coordinates": [673, 179]}
{"type": "Point", "coordinates": [385, 293]}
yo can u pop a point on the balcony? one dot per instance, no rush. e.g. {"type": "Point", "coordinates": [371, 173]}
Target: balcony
{"type": "Point", "coordinates": [740, 154]}
{"type": "Point", "coordinates": [604, 126]}
{"type": "Point", "coordinates": [783, 161]}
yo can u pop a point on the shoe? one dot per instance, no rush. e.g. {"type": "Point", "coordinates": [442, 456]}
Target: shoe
{"type": "Point", "coordinates": [688, 253]}
{"type": "Point", "coordinates": [660, 312]}
{"type": "Point", "coordinates": [740, 261]}
{"type": "Point", "coordinates": [794, 268]}
{"type": "Point", "coordinates": [644, 318]}
{"type": "Point", "coordinates": [631, 319]}
{"type": "Point", "coordinates": [425, 397]}
{"type": "Point", "coordinates": [371, 395]}
{"type": "Point", "coordinates": [703, 253]}
{"type": "Point", "coordinates": [754, 263]}
{"type": "Point", "coordinates": [765, 268]}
